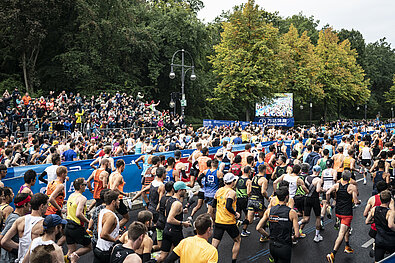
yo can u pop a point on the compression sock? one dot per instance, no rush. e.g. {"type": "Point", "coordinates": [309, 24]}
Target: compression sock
{"type": "Point", "coordinates": [334, 252]}
{"type": "Point", "coordinates": [300, 222]}
{"type": "Point", "coordinates": [234, 260]}
{"type": "Point", "coordinates": [348, 243]}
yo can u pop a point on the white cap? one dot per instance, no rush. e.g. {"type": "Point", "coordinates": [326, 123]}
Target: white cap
{"type": "Point", "coordinates": [229, 177]}
{"type": "Point", "coordinates": [259, 146]}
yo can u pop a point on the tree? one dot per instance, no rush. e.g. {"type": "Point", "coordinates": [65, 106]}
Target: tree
{"type": "Point", "coordinates": [245, 60]}
{"type": "Point", "coordinates": [303, 24]}
{"type": "Point", "coordinates": [300, 67]}
{"type": "Point", "coordinates": [390, 95]}
{"type": "Point", "coordinates": [25, 25]}
{"type": "Point", "coordinates": [342, 79]}
{"type": "Point", "coordinates": [357, 42]}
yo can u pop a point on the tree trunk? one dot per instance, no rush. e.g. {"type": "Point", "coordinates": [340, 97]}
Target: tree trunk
{"type": "Point", "coordinates": [24, 67]}
{"type": "Point", "coordinates": [247, 113]}
{"type": "Point", "coordinates": [325, 110]}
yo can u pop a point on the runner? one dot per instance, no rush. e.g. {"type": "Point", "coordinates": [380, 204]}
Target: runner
{"type": "Point", "coordinates": [76, 220]}
{"type": "Point", "coordinates": [27, 227]}
{"type": "Point", "coordinates": [270, 159]}
{"type": "Point", "coordinates": [56, 192]}
{"type": "Point", "coordinates": [108, 228]}
{"type": "Point", "coordinates": [172, 174]}
{"type": "Point", "coordinates": [226, 215]}
{"type": "Point", "coordinates": [281, 221]}
{"type": "Point", "coordinates": [107, 155]}
{"type": "Point", "coordinates": [156, 191]}
{"type": "Point", "coordinates": [22, 207]}
{"type": "Point", "coordinates": [329, 177]}
{"type": "Point", "coordinates": [200, 194]}
{"type": "Point", "coordinates": [366, 155]}
{"type": "Point", "coordinates": [281, 167]}
{"type": "Point", "coordinates": [194, 173]}
{"type": "Point", "coordinates": [312, 201]}
{"type": "Point", "coordinates": [383, 217]}
{"type": "Point", "coordinates": [257, 192]}
{"type": "Point", "coordinates": [172, 234]}
{"type": "Point", "coordinates": [235, 168]}
{"type": "Point", "coordinates": [245, 154]}
{"type": "Point", "coordinates": [196, 249]}
{"type": "Point", "coordinates": [338, 160]}
{"type": "Point", "coordinates": [181, 167]}
{"type": "Point", "coordinates": [5, 208]}
{"type": "Point", "coordinates": [116, 183]}
{"type": "Point", "coordinates": [346, 194]}
{"type": "Point", "coordinates": [100, 182]}
{"type": "Point", "coordinates": [160, 225]}
{"type": "Point", "coordinates": [242, 197]}
{"type": "Point", "coordinates": [380, 175]}
{"type": "Point", "coordinates": [147, 163]}
{"type": "Point", "coordinates": [50, 171]}
{"type": "Point", "coordinates": [53, 230]}
{"type": "Point", "coordinates": [30, 180]}
{"type": "Point", "coordinates": [126, 252]}
{"type": "Point", "coordinates": [211, 184]}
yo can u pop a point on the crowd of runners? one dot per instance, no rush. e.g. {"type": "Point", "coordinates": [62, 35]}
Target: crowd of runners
{"type": "Point", "coordinates": [279, 186]}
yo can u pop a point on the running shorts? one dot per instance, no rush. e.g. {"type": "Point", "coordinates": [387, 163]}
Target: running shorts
{"type": "Point", "coordinates": [255, 205]}
{"type": "Point", "coordinates": [219, 230]}
{"type": "Point", "coordinates": [76, 234]}
{"type": "Point", "coordinates": [345, 220]}
{"type": "Point", "coordinates": [201, 195]}
{"type": "Point", "coordinates": [312, 203]}
{"type": "Point", "coordinates": [241, 205]}
{"type": "Point", "coordinates": [366, 162]}
{"type": "Point", "coordinates": [122, 209]}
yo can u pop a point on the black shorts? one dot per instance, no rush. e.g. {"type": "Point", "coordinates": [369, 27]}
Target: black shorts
{"type": "Point", "coordinates": [256, 205]}
{"type": "Point", "coordinates": [372, 233]}
{"type": "Point", "coordinates": [122, 209]}
{"type": "Point", "coordinates": [312, 202]}
{"type": "Point", "coordinates": [194, 172]}
{"type": "Point", "coordinates": [299, 202]}
{"type": "Point", "coordinates": [201, 195]}
{"type": "Point", "coordinates": [170, 238]}
{"type": "Point", "coordinates": [76, 234]}
{"type": "Point", "coordinates": [280, 252]}
{"type": "Point", "coordinates": [366, 162]}
{"type": "Point", "coordinates": [241, 205]}
{"type": "Point", "coordinates": [219, 230]}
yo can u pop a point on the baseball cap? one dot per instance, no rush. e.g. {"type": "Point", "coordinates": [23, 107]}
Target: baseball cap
{"type": "Point", "coordinates": [229, 177]}
{"type": "Point", "coordinates": [52, 221]}
{"type": "Point", "coordinates": [259, 146]}
{"type": "Point", "coordinates": [180, 186]}
{"type": "Point", "coordinates": [55, 142]}
{"type": "Point", "coordinates": [317, 168]}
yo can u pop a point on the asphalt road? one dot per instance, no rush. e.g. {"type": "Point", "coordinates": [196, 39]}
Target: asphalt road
{"type": "Point", "coordinates": [306, 250]}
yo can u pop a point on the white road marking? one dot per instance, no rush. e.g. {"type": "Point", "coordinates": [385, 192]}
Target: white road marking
{"type": "Point", "coordinates": [368, 243]}
{"type": "Point", "coordinates": [359, 180]}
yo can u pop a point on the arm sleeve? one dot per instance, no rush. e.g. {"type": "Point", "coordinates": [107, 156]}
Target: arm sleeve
{"type": "Point", "coordinates": [229, 207]}
{"type": "Point", "coordinates": [199, 179]}
{"type": "Point", "coordinates": [194, 165]}
{"type": "Point", "coordinates": [184, 175]}
{"type": "Point", "coordinates": [41, 177]}
{"type": "Point", "coordinates": [172, 258]}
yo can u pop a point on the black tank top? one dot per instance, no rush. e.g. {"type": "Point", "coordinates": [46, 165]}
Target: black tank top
{"type": "Point", "coordinates": [280, 224]}
{"type": "Point", "coordinates": [312, 190]}
{"type": "Point", "coordinates": [153, 197]}
{"type": "Point", "coordinates": [280, 171]}
{"type": "Point", "coordinates": [385, 236]}
{"type": "Point", "coordinates": [256, 189]}
{"type": "Point", "coordinates": [119, 253]}
{"type": "Point", "coordinates": [178, 217]}
{"type": "Point", "coordinates": [343, 201]}
{"type": "Point", "coordinates": [162, 211]}
{"type": "Point", "coordinates": [378, 178]}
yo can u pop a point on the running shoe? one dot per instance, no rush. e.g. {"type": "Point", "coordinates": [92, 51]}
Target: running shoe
{"type": "Point", "coordinates": [322, 224]}
{"type": "Point", "coordinates": [271, 259]}
{"type": "Point", "coordinates": [348, 250]}
{"type": "Point", "coordinates": [318, 238]}
{"type": "Point", "coordinates": [301, 234]}
{"type": "Point", "coordinates": [294, 241]}
{"type": "Point", "coordinates": [245, 233]}
{"type": "Point", "coordinates": [371, 253]}
{"type": "Point", "coordinates": [263, 239]}
{"type": "Point", "coordinates": [330, 257]}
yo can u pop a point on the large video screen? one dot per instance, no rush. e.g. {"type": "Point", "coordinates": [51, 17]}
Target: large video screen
{"type": "Point", "coordinates": [281, 105]}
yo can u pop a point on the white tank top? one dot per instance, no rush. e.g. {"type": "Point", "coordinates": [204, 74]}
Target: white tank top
{"type": "Point", "coordinates": [327, 176]}
{"type": "Point", "coordinates": [292, 184]}
{"type": "Point", "coordinates": [38, 241]}
{"type": "Point", "coordinates": [193, 156]}
{"type": "Point", "coordinates": [366, 153]}
{"type": "Point", "coordinates": [26, 239]}
{"type": "Point", "coordinates": [102, 244]}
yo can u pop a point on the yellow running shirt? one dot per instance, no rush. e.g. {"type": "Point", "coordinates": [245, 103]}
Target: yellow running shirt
{"type": "Point", "coordinates": [223, 216]}
{"type": "Point", "coordinates": [72, 208]}
{"type": "Point", "coordinates": [196, 250]}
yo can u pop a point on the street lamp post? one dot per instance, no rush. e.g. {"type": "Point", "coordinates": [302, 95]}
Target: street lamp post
{"type": "Point", "coordinates": [172, 75]}
{"type": "Point", "coordinates": [366, 107]}
{"type": "Point", "coordinates": [392, 112]}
